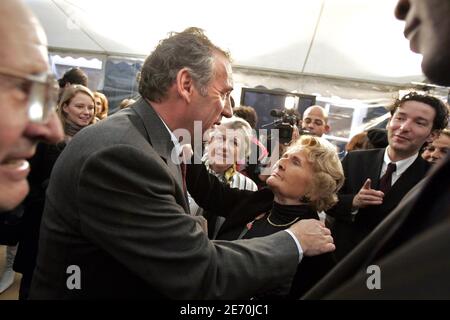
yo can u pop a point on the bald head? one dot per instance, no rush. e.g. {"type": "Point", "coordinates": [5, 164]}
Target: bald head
{"type": "Point", "coordinates": [315, 120]}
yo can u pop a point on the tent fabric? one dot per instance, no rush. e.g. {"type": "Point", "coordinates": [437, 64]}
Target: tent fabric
{"type": "Point", "coordinates": [352, 39]}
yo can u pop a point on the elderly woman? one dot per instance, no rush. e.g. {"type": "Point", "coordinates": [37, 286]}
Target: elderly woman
{"type": "Point", "coordinates": [303, 182]}
{"type": "Point", "coordinates": [228, 144]}
{"type": "Point", "coordinates": [76, 111]}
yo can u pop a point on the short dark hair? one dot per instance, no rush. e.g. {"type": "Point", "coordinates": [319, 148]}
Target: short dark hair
{"type": "Point", "coordinates": [247, 113]}
{"type": "Point", "coordinates": [440, 120]}
{"type": "Point", "coordinates": [73, 76]}
{"type": "Point", "coordinates": [188, 49]}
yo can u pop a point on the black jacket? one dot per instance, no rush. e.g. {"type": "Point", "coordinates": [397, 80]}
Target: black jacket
{"type": "Point", "coordinates": [411, 247]}
{"type": "Point", "coordinates": [348, 230]}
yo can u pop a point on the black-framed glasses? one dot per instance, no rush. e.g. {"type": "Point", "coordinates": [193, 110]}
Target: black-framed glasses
{"type": "Point", "coordinates": [41, 90]}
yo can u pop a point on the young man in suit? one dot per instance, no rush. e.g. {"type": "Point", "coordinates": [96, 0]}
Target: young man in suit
{"type": "Point", "coordinates": [376, 180]}
{"type": "Point", "coordinates": [24, 83]}
{"type": "Point", "coordinates": [409, 251]}
{"type": "Point", "coordinates": [115, 223]}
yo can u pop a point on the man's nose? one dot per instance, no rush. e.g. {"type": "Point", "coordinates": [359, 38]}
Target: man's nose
{"type": "Point", "coordinates": [405, 126]}
{"type": "Point", "coordinates": [401, 9]}
{"type": "Point", "coordinates": [227, 111]}
{"type": "Point", "coordinates": [50, 132]}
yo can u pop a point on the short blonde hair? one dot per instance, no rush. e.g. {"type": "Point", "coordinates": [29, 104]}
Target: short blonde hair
{"type": "Point", "coordinates": [328, 175]}
{"type": "Point", "coordinates": [104, 100]}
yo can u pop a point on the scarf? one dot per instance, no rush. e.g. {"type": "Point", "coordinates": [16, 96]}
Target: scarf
{"type": "Point", "coordinates": [71, 128]}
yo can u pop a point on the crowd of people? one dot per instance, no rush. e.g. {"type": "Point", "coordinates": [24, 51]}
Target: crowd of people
{"type": "Point", "coordinates": [124, 206]}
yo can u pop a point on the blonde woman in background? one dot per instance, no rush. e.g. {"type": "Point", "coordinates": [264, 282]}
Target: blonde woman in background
{"type": "Point", "coordinates": [101, 106]}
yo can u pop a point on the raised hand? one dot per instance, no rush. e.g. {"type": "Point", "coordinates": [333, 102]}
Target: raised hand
{"type": "Point", "coordinates": [367, 196]}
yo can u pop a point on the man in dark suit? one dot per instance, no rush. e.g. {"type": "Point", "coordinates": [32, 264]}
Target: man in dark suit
{"type": "Point", "coordinates": [115, 222]}
{"type": "Point", "coordinates": [409, 252]}
{"type": "Point", "coordinates": [369, 193]}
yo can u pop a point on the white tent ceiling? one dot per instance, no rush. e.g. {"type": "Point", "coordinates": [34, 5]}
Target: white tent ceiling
{"type": "Point", "coordinates": [356, 39]}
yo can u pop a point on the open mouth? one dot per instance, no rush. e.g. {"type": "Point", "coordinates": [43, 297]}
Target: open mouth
{"type": "Point", "coordinates": [411, 27]}
{"type": "Point", "coordinates": [15, 169]}
{"type": "Point", "coordinates": [410, 33]}
{"type": "Point", "coordinates": [14, 163]}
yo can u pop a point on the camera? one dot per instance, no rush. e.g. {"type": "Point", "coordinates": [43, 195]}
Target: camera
{"type": "Point", "coordinates": [285, 123]}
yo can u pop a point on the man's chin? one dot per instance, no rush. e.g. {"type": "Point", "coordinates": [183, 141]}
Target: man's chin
{"type": "Point", "coordinates": [435, 70]}
{"type": "Point", "coordinates": [11, 195]}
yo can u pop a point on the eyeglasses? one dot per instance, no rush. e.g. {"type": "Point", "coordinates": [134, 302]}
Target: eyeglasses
{"type": "Point", "coordinates": [41, 90]}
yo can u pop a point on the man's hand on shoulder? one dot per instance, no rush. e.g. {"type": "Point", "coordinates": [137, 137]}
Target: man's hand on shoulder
{"type": "Point", "coordinates": [313, 236]}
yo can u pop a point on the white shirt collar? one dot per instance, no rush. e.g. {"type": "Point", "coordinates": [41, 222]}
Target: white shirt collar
{"type": "Point", "coordinates": [402, 165]}
{"type": "Point", "coordinates": [176, 143]}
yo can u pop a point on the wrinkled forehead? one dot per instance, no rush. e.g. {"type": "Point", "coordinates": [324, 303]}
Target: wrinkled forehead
{"type": "Point", "coordinates": [298, 150]}
{"type": "Point", "coordinates": [223, 70]}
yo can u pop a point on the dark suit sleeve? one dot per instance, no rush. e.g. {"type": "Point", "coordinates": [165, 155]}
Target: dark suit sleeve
{"type": "Point", "coordinates": [211, 194]}
{"type": "Point", "coordinates": [343, 209]}
{"type": "Point", "coordinates": [419, 270]}
{"type": "Point", "coordinates": [128, 207]}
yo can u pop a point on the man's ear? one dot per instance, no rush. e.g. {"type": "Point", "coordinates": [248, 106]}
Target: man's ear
{"type": "Point", "coordinates": [185, 84]}
{"type": "Point", "coordinates": [433, 135]}
{"type": "Point", "coordinates": [327, 128]}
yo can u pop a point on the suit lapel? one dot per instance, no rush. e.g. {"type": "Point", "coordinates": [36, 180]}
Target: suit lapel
{"type": "Point", "coordinates": [415, 172]}
{"type": "Point", "coordinates": [374, 168]}
{"type": "Point", "coordinates": [160, 140]}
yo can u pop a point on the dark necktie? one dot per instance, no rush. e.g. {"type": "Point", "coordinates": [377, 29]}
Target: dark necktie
{"type": "Point", "coordinates": [386, 179]}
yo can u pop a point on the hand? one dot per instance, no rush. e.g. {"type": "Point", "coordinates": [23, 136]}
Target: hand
{"type": "Point", "coordinates": [295, 133]}
{"type": "Point", "coordinates": [314, 238]}
{"type": "Point", "coordinates": [367, 196]}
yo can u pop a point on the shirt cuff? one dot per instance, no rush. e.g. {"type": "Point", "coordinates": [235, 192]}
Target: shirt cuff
{"type": "Point", "coordinates": [297, 243]}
